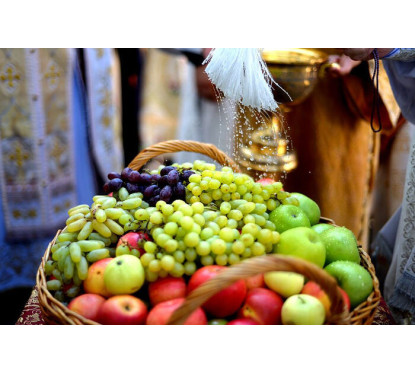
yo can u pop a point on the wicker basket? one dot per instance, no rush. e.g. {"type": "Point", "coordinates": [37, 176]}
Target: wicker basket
{"type": "Point", "coordinates": [54, 312]}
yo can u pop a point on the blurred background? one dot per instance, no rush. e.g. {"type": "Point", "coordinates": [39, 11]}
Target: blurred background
{"type": "Point", "coordinates": [70, 116]}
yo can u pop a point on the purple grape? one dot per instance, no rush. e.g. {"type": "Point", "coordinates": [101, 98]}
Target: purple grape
{"type": "Point", "coordinates": [162, 181]}
{"type": "Point", "coordinates": [166, 170]}
{"type": "Point", "coordinates": [173, 177]}
{"type": "Point", "coordinates": [153, 200]}
{"type": "Point", "coordinates": [145, 179]}
{"type": "Point", "coordinates": [134, 177]}
{"type": "Point", "coordinates": [166, 193]}
{"type": "Point", "coordinates": [180, 191]}
{"type": "Point", "coordinates": [107, 188]}
{"type": "Point", "coordinates": [149, 191]}
{"type": "Point", "coordinates": [115, 184]}
{"type": "Point", "coordinates": [114, 175]}
{"type": "Point", "coordinates": [125, 173]}
{"type": "Point", "coordinates": [132, 188]}
{"type": "Point", "coordinates": [155, 178]}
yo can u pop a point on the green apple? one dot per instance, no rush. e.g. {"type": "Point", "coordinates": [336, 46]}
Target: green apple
{"type": "Point", "coordinates": [304, 243]}
{"type": "Point", "coordinates": [286, 217]}
{"type": "Point", "coordinates": [340, 244]}
{"type": "Point", "coordinates": [354, 279]}
{"type": "Point", "coordinates": [303, 309]}
{"type": "Point", "coordinates": [124, 275]}
{"type": "Point", "coordinates": [309, 206]}
{"type": "Point", "coordinates": [321, 227]}
{"type": "Point", "coordinates": [284, 283]}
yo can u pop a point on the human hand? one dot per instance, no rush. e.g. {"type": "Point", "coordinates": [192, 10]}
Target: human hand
{"type": "Point", "coordinates": [343, 65]}
{"type": "Point", "coordinates": [205, 88]}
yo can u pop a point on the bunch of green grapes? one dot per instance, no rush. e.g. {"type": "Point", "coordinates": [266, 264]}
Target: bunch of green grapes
{"type": "Point", "coordinates": [211, 186]}
{"type": "Point", "coordinates": [188, 236]}
{"type": "Point", "coordinates": [90, 232]}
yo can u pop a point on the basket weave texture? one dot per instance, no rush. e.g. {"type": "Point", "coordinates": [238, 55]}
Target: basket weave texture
{"type": "Point", "coordinates": [54, 312]}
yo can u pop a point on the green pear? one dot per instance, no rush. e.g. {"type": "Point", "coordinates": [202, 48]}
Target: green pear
{"type": "Point", "coordinates": [340, 244]}
{"type": "Point", "coordinates": [354, 279]}
{"type": "Point", "coordinates": [287, 217]}
{"type": "Point", "coordinates": [304, 243]}
{"type": "Point", "coordinates": [309, 206]}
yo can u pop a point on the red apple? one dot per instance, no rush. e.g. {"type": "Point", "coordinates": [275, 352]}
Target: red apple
{"type": "Point", "coordinates": [123, 310]}
{"type": "Point", "coordinates": [166, 289]}
{"type": "Point", "coordinates": [266, 181]}
{"type": "Point", "coordinates": [263, 306]}
{"type": "Point", "coordinates": [134, 240]}
{"type": "Point", "coordinates": [256, 281]}
{"type": "Point", "coordinates": [94, 282]}
{"type": "Point", "coordinates": [314, 289]}
{"type": "Point", "coordinates": [242, 321]}
{"type": "Point", "coordinates": [224, 303]}
{"type": "Point", "coordinates": [161, 313]}
{"type": "Point", "coordinates": [87, 305]}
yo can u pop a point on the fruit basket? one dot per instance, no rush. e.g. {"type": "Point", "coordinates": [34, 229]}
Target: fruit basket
{"type": "Point", "coordinates": [56, 312]}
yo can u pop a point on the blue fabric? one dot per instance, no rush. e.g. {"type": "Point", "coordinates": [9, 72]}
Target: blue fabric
{"type": "Point", "coordinates": [401, 75]}
{"type": "Point", "coordinates": [19, 261]}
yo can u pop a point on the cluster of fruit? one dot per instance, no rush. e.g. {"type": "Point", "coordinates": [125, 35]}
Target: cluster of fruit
{"type": "Point", "coordinates": [172, 222]}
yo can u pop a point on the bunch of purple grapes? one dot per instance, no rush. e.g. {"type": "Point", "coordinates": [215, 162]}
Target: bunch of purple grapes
{"type": "Point", "coordinates": [167, 186]}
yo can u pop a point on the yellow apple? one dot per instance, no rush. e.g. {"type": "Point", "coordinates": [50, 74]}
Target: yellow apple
{"type": "Point", "coordinates": [303, 309]}
{"type": "Point", "coordinates": [284, 283]}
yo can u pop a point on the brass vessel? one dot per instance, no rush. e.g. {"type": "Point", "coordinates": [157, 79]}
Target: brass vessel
{"type": "Point", "coordinates": [263, 150]}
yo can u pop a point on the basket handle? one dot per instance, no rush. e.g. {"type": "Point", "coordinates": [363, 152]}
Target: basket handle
{"type": "Point", "coordinates": [262, 264]}
{"type": "Point", "coordinates": [172, 146]}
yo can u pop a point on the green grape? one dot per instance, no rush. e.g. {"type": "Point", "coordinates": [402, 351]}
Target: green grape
{"type": "Point", "coordinates": [181, 232]}
{"type": "Point", "coordinates": [214, 184]}
{"type": "Point", "coordinates": [242, 189]}
{"type": "Point", "coordinates": [196, 229]}
{"type": "Point", "coordinates": [100, 215]}
{"type": "Point", "coordinates": [85, 231]}
{"type": "Point", "coordinates": [178, 270]}
{"type": "Point", "coordinates": [171, 228]}
{"type": "Point", "coordinates": [57, 274]}
{"type": "Point", "coordinates": [177, 203]}
{"type": "Point", "coordinates": [74, 217]}
{"type": "Point", "coordinates": [251, 228]}
{"type": "Point", "coordinates": [68, 268]}
{"type": "Point", "coordinates": [221, 260]}
{"type": "Point", "coordinates": [258, 249]}
{"type": "Point", "coordinates": [227, 177]}
{"type": "Point", "coordinates": [89, 245]}
{"type": "Point", "coordinates": [214, 226]}
{"type": "Point", "coordinates": [247, 197]}
{"type": "Point", "coordinates": [190, 186]}
{"type": "Point", "coordinates": [221, 221]}
{"type": "Point", "coordinates": [123, 194]}
{"type": "Point", "coordinates": [218, 246]}
{"type": "Point", "coordinates": [175, 217]}
{"type": "Point", "coordinates": [270, 225]}
{"type": "Point", "coordinates": [248, 219]}
{"type": "Point", "coordinates": [73, 291]}
{"type": "Point", "coordinates": [130, 204]}
{"type": "Point", "coordinates": [53, 285]}
{"type": "Point", "coordinates": [275, 237]}
{"type": "Point", "coordinates": [204, 184]}
{"type": "Point", "coordinates": [162, 238]}
{"type": "Point", "coordinates": [246, 208]}
{"type": "Point", "coordinates": [195, 178]}
{"type": "Point", "coordinates": [247, 239]}
{"type": "Point", "coordinates": [206, 260]}
{"type": "Point", "coordinates": [187, 222]}
{"type": "Point", "coordinates": [226, 234]}
{"type": "Point", "coordinates": [198, 208]}
{"type": "Point", "coordinates": [110, 202]}
{"type": "Point", "coordinates": [101, 228]}
{"type": "Point", "coordinates": [73, 210]}
{"type": "Point", "coordinates": [114, 227]}
{"type": "Point", "coordinates": [259, 220]}
{"type": "Point", "coordinates": [150, 247]}
{"type": "Point", "coordinates": [235, 214]}
{"type": "Point", "coordinates": [167, 263]}
{"type": "Point", "coordinates": [122, 250]}
{"type": "Point", "coordinates": [76, 226]}
{"type": "Point", "coordinates": [238, 247]}
{"type": "Point", "coordinates": [151, 276]}
{"type": "Point", "coordinates": [247, 253]}
{"type": "Point", "coordinates": [197, 191]}
{"type": "Point", "coordinates": [232, 223]}
{"type": "Point", "coordinates": [199, 219]}
{"type": "Point", "coordinates": [228, 248]}
{"type": "Point", "coordinates": [194, 199]}
{"type": "Point", "coordinates": [191, 239]}
{"type": "Point", "coordinates": [62, 251]}
{"type": "Point", "coordinates": [232, 188]}
{"type": "Point", "coordinates": [63, 237]}
{"type": "Point", "coordinates": [235, 196]}
{"type": "Point", "coordinates": [271, 204]}
{"type": "Point", "coordinates": [224, 188]}
{"type": "Point", "coordinates": [50, 265]}
{"type": "Point", "coordinates": [146, 258]}
{"type": "Point", "coordinates": [203, 248]}
{"type": "Point", "coordinates": [160, 204]}
{"type": "Point", "coordinates": [209, 215]}
{"type": "Point", "coordinates": [154, 265]}
{"type": "Point", "coordinates": [216, 195]}
{"type": "Point", "coordinates": [82, 268]}
{"type": "Point", "coordinates": [206, 233]}
{"type": "Point", "coordinates": [233, 258]}
{"type": "Point", "coordinates": [156, 218]}
{"type": "Point", "coordinates": [171, 246]}
{"type": "Point", "coordinates": [186, 209]}
{"type": "Point", "coordinates": [140, 214]}
{"type": "Point", "coordinates": [206, 198]}
{"type": "Point", "coordinates": [156, 231]}
{"type": "Point", "coordinates": [178, 256]}
{"type": "Point", "coordinates": [264, 236]}
{"type": "Point", "coordinates": [207, 172]}
{"type": "Point", "coordinates": [226, 197]}
{"type": "Point", "coordinates": [167, 210]}
{"type": "Point", "coordinates": [96, 255]}
{"type": "Point", "coordinates": [190, 254]}
{"type": "Point", "coordinates": [75, 252]}
{"type": "Point", "coordinates": [189, 268]}
{"type": "Point", "coordinates": [95, 236]}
